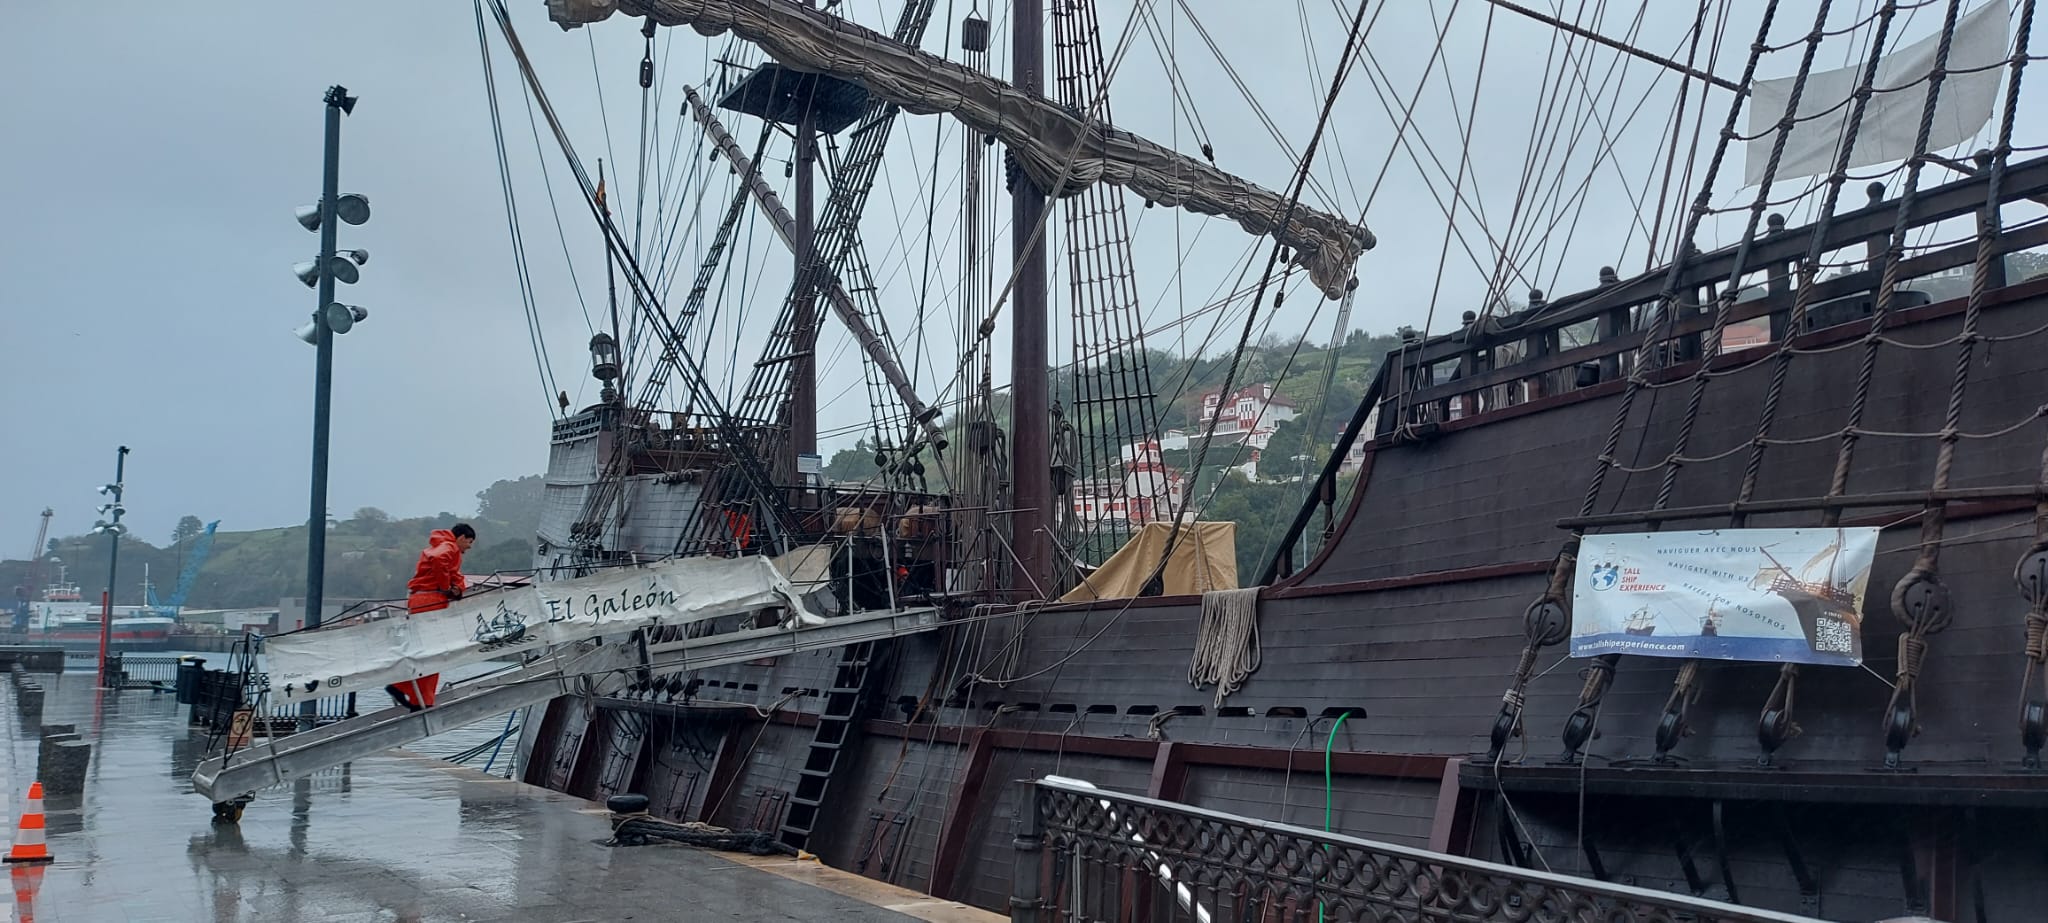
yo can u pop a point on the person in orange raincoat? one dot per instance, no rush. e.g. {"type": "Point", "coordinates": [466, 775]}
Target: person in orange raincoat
{"type": "Point", "coordinates": [436, 582]}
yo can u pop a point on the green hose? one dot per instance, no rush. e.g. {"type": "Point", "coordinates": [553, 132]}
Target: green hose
{"type": "Point", "coordinates": [1328, 747]}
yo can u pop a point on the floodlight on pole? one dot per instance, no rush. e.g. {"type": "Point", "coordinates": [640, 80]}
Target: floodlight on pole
{"type": "Point", "coordinates": [339, 267]}
{"type": "Point", "coordinates": [328, 318]}
{"type": "Point", "coordinates": [351, 208]}
{"type": "Point", "coordinates": [113, 531]}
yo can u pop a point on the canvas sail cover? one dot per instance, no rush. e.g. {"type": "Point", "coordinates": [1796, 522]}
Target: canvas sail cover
{"type": "Point", "coordinates": [1039, 133]}
{"type": "Point", "coordinates": [1205, 559]}
{"type": "Point", "coordinates": [1891, 120]}
{"type": "Point", "coordinates": [368, 655]}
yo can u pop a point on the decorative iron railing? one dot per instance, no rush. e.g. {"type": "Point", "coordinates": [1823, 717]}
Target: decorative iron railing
{"type": "Point", "coordinates": [1085, 854]}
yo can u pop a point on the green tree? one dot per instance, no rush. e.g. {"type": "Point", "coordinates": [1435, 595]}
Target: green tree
{"type": "Point", "coordinates": [512, 554]}
{"type": "Point", "coordinates": [514, 504]}
{"type": "Point", "coordinates": [371, 514]}
{"type": "Point", "coordinates": [853, 464]}
{"type": "Point", "coordinates": [189, 527]}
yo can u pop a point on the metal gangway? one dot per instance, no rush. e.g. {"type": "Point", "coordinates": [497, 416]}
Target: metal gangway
{"type": "Point", "coordinates": [597, 668]}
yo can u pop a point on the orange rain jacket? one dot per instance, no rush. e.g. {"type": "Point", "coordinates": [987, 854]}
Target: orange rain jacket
{"type": "Point", "coordinates": [438, 579]}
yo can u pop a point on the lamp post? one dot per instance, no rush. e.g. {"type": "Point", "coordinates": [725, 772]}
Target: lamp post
{"type": "Point", "coordinates": [329, 318]}
{"type": "Point", "coordinates": [113, 531]}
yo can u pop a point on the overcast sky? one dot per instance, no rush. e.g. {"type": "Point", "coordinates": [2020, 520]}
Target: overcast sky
{"type": "Point", "coordinates": [154, 157]}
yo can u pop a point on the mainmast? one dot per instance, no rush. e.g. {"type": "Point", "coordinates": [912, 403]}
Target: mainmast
{"type": "Point", "coordinates": [1031, 476]}
{"type": "Point", "coordinates": [803, 411]}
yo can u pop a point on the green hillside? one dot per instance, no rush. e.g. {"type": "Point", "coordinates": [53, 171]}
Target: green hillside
{"type": "Point", "coordinates": [369, 555]}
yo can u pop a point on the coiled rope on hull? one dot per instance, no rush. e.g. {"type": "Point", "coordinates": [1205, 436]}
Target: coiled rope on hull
{"type": "Point", "coordinates": [1227, 643]}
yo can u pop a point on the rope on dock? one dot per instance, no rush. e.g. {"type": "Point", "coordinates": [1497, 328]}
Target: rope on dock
{"type": "Point", "coordinates": [636, 829]}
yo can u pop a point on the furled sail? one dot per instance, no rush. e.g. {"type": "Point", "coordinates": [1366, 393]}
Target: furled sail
{"type": "Point", "coordinates": [1039, 132]}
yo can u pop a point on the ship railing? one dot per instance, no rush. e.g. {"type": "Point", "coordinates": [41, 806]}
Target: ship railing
{"type": "Point", "coordinates": [1085, 854]}
{"type": "Point", "coordinates": [1551, 348]}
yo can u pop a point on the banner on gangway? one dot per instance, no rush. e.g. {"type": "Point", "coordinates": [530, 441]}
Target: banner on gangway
{"type": "Point", "coordinates": [368, 655]}
{"type": "Point", "coordinates": [1777, 595]}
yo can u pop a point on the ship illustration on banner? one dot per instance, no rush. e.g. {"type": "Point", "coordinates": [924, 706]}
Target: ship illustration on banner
{"type": "Point", "coordinates": [1774, 595]}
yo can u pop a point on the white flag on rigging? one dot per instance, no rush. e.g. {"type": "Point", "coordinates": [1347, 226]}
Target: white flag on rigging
{"type": "Point", "coordinates": [1891, 121]}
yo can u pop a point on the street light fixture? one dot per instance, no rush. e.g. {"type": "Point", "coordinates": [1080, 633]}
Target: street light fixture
{"type": "Point", "coordinates": [113, 531]}
{"type": "Point", "coordinates": [350, 207]}
{"type": "Point", "coordinates": [328, 319]}
{"type": "Point", "coordinates": [343, 271]}
{"type": "Point", "coordinates": [340, 318]}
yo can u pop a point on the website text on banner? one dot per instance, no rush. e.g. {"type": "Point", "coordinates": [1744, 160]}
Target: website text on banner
{"type": "Point", "coordinates": [1732, 594]}
{"type": "Point", "coordinates": [368, 655]}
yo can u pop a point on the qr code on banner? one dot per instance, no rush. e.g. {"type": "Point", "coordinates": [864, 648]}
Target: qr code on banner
{"type": "Point", "coordinates": [1833, 636]}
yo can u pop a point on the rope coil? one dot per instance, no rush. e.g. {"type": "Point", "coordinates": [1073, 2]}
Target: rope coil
{"type": "Point", "coordinates": [1227, 643]}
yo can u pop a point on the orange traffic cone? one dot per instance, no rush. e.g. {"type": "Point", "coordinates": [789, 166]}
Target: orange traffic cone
{"type": "Point", "coordinates": [28, 838]}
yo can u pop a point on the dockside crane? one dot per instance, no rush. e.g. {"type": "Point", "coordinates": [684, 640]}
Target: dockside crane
{"type": "Point", "coordinates": [25, 594]}
{"type": "Point", "coordinates": [168, 608]}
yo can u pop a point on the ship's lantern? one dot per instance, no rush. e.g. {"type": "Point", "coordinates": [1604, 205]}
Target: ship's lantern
{"type": "Point", "coordinates": [604, 357]}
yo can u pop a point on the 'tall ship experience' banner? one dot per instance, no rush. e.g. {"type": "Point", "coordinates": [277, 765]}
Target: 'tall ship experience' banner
{"type": "Point", "coordinates": [1775, 595]}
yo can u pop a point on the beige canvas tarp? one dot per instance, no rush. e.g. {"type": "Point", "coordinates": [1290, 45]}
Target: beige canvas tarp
{"type": "Point", "coordinates": [1205, 559]}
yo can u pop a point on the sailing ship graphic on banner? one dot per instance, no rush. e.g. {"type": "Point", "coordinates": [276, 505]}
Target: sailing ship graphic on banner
{"type": "Point", "coordinates": [1732, 594]}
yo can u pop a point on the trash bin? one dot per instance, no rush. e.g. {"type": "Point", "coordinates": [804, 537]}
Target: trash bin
{"type": "Point", "coordinates": [189, 668]}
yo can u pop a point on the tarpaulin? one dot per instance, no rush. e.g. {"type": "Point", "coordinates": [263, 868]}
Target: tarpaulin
{"type": "Point", "coordinates": [1205, 559]}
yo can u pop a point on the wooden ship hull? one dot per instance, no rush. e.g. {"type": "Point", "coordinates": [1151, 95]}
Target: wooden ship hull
{"type": "Point", "coordinates": [1395, 648]}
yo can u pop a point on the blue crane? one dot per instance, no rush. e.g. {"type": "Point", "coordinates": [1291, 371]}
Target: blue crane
{"type": "Point", "coordinates": [169, 608]}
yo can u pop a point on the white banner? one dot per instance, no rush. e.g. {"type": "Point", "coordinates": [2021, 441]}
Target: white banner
{"type": "Point", "coordinates": [1732, 594]}
{"type": "Point", "coordinates": [369, 655]}
{"type": "Point", "coordinates": [1891, 120]}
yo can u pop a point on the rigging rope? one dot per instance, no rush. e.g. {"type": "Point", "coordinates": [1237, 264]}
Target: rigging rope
{"type": "Point", "coordinates": [535, 335]}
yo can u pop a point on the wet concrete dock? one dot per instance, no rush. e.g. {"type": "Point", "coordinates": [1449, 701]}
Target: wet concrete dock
{"type": "Point", "coordinates": [398, 837]}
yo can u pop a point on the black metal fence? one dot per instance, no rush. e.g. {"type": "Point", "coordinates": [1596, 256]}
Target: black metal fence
{"type": "Point", "coordinates": [1084, 854]}
{"type": "Point", "coordinates": [147, 668]}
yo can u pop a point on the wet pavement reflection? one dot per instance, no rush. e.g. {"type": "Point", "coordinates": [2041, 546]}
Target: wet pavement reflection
{"type": "Point", "coordinates": [398, 837]}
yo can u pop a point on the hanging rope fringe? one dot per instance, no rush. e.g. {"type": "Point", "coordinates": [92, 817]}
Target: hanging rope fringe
{"type": "Point", "coordinates": [1227, 644]}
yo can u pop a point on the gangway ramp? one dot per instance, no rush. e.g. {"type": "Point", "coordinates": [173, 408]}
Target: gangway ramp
{"type": "Point", "coordinates": [598, 669]}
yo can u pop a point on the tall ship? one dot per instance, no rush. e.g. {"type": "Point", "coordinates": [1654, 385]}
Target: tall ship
{"type": "Point", "coordinates": [1836, 336]}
